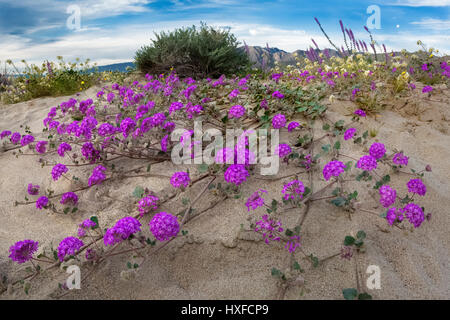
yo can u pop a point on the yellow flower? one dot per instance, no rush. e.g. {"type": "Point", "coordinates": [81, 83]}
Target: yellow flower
{"type": "Point", "coordinates": [431, 55]}
{"type": "Point", "coordinates": [82, 82]}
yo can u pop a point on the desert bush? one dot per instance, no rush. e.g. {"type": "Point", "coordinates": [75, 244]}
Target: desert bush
{"type": "Point", "coordinates": [192, 52]}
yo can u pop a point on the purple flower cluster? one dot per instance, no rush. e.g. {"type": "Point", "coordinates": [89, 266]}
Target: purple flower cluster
{"type": "Point", "coordinates": [4, 134]}
{"type": "Point", "coordinates": [179, 179]}
{"type": "Point", "coordinates": [278, 95]}
{"type": "Point", "coordinates": [122, 230]}
{"type": "Point", "coordinates": [33, 189]}
{"type": "Point", "coordinates": [394, 214]}
{"type": "Point", "coordinates": [147, 204]}
{"type": "Point", "coordinates": [86, 224]}
{"type": "Point", "coordinates": [26, 140]}
{"type": "Point", "coordinates": [292, 125]}
{"type": "Point", "coordinates": [293, 243]}
{"type": "Point", "coordinates": [15, 137]}
{"type": "Point", "coordinates": [283, 150]}
{"type": "Point", "coordinates": [333, 168]}
{"type": "Point", "coordinates": [427, 89]}
{"type": "Point", "coordinates": [89, 152]}
{"type": "Point", "coordinates": [269, 229]}
{"type": "Point", "coordinates": [293, 190]}
{"type": "Point", "coordinates": [387, 196]}
{"type": "Point", "coordinates": [367, 163]}
{"type": "Point", "coordinates": [41, 146]}
{"type": "Point", "coordinates": [377, 150]}
{"type": "Point", "coordinates": [417, 186]}
{"type": "Point", "coordinates": [98, 175]}
{"type": "Point", "coordinates": [360, 113]}
{"type": "Point", "coordinates": [68, 247]}
{"type": "Point", "coordinates": [400, 159]}
{"type": "Point", "coordinates": [255, 200]}
{"type": "Point", "coordinates": [236, 111]}
{"type": "Point", "coordinates": [63, 148]}
{"type": "Point", "coordinates": [278, 121]}
{"type": "Point", "coordinates": [349, 133]}
{"type": "Point", "coordinates": [41, 202]}
{"type": "Point", "coordinates": [22, 251]}
{"type": "Point", "coordinates": [414, 213]}
{"type": "Point", "coordinates": [164, 226]}
{"type": "Point", "coordinates": [126, 126]}
{"type": "Point", "coordinates": [58, 170]}
{"type": "Point", "coordinates": [236, 173]}
{"type": "Point", "coordinates": [69, 197]}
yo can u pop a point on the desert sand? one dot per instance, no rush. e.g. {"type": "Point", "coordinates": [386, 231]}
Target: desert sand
{"type": "Point", "coordinates": [217, 260]}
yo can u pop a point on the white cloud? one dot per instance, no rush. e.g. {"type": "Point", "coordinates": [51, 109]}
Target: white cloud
{"type": "Point", "coordinates": [433, 24]}
{"type": "Point", "coordinates": [422, 3]}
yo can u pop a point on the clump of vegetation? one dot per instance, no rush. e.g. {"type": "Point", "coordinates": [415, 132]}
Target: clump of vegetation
{"type": "Point", "coordinates": [50, 79]}
{"type": "Point", "coordinates": [193, 52]}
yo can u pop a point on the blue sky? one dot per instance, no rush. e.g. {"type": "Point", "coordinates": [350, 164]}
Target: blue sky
{"type": "Point", "coordinates": [111, 31]}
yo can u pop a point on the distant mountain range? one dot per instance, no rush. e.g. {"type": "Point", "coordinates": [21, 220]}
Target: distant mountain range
{"type": "Point", "coordinates": [121, 67]}
{"type": "Point", "coordinates": [259, 55]}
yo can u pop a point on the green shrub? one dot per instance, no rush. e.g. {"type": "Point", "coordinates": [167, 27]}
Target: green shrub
{"type": "Point", "coordinates": [193, 52]}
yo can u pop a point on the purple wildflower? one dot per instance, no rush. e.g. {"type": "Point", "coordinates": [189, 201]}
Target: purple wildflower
{"type": "Point", "coordinates": [22, 251]}
{"type": "Point", "coordinates": [417, 186]}
{"type": "Point", "coordinates": [68, 247]}
{"type": "Point", "coordinates": [278, 121]}
{"type": "Point", "coordinates": [377, 150]}
{"type": "Point", "coordinates": [236, 173]}
{"type": "Point", "coordinates": [147, 204]}
{"type": "Point", "coordinates": [41, 202]}
{"type": "Point", "coordinates": [333, 168]}
{"type": "Point", "coordinates": [255, 200]}
{"type": "Point", "coordinates": [58, 170]}
{"type": "Point", "coordinates": [164, 226]}
{"type": "Point", "coordinates": [367, 163]}
{"type": "Point", "coordinates": [179, 179]}
{"type": "Point", "coordinates": [122, 230]}
{"type": "Point", "coordinates": [387, 196]}
{"type": "Point", "coordinates": [349, 133]}
{"type": "Point", "coordinates": [293, 190]}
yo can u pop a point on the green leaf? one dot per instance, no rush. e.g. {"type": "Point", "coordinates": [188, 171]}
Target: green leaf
{"type": "Point", "coordinates": [350, 293]}
{"type": "Point", "coordinates": [338, 202]}
{"type": "Point", "coordinates": [364, 296]}
{"type": "Point", "coordinates": [361, 235]}
{"type": "Point", "coordinates": [326, 127]}
{"type": "Point", "coordinates": [202, 168]}
{"type": "Point", "coordinates": [276, 273]}
{"type": "Point", "coordinates": [129, 265]}
{"type": "Point", "coordinates": [326, 148]}
{"type": "Point", "coordinates": [66, 210]}
{"type": "Point", "coordinates": [138, 192]}
{"type": "Point", "coordinates": [314, 260]}
{"type": "Point", "coordinates": [75, 209]}
{"type": "Point", "coordinates": [337, 145]}
{"type": "Point", "coordinates": [95, 219]}
{"type": "Point", "coordinates": [289, 232]}
{"type": "Point", "coordinates": [349, 240]}
{"type": "Point", "coordinates": [149, 167]}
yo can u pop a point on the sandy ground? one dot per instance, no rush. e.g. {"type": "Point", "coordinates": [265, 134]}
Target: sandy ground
{"type": "Point", "coordinates": [219, 261]}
